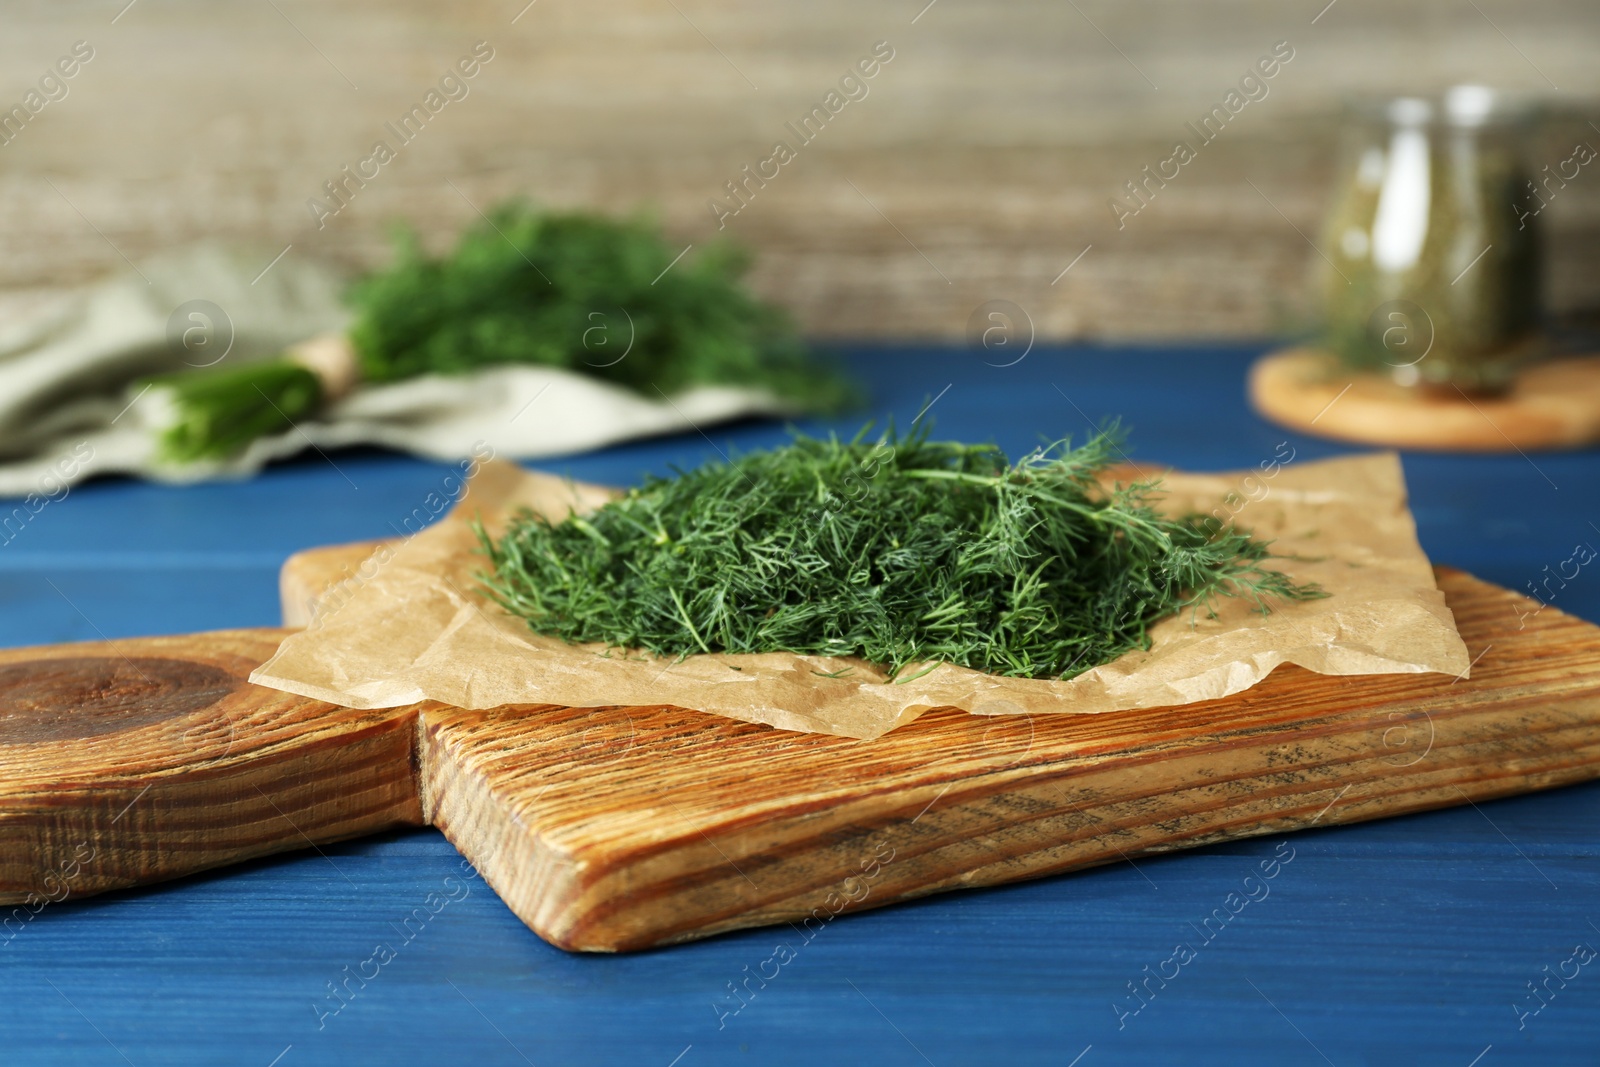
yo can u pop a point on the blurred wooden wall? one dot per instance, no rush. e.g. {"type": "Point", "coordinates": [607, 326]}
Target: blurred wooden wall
{"type": "Point", "coordinates": [977, 167]}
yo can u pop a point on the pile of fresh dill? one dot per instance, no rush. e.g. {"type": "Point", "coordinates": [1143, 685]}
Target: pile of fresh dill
{"type": "Point", "coordinates": [897, 550]}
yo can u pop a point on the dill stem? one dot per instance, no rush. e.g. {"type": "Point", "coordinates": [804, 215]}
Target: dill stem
{"type": "Point", "coordinates": [683, 613]}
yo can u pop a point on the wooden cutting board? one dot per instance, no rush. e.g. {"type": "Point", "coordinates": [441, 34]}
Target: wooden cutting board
{"type": "Point", "coordinates": [618, 828]}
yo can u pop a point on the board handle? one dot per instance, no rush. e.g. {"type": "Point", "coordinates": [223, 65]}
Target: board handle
{"type": "Point", "coordinates": [132, 761]}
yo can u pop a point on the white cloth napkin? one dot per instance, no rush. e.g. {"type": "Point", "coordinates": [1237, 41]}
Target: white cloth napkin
{"type": "Point", "coordinates": [68, 409]}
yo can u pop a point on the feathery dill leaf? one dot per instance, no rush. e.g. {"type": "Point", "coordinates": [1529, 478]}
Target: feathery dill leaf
{"type": "Point", "coordinates": [897, 550]}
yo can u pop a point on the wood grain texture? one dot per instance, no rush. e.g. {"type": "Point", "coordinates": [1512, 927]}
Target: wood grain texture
{"type": "Point", "coordinates": [126, 762]}
{"type": "Point", "coordinates": [622, 828]}
{"type": "Point", "coordinates": [1551, 405]}
{"type": "Point", "coordinates": [312, 574]}
{"type": "Point", "coordinates": [991, 144]}
{"type": "Point", "coordinates": [610, 829]}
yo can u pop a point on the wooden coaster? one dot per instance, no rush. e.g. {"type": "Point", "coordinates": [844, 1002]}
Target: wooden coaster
{"type": "Point", "coordinates": [1555, 404]}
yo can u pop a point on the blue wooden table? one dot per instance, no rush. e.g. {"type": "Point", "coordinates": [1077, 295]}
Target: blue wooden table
{"type": "Point", "coordinates": [1416, 940]}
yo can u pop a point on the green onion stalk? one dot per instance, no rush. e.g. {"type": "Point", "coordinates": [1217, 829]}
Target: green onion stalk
{"type": "Point", "coordinates": [604, 297]}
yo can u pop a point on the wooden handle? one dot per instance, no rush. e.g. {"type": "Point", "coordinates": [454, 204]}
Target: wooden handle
{"type": "Point", "coordinates": [623, 828]}
{"type": "Point", "coordinates": [124, 762]}
{"type": "Point", "coordinates": [309, 576]}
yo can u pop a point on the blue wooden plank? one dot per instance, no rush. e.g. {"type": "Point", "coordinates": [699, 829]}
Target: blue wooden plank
{"type": "Point", "coordinates": [1407, 941]}
{"type": "Point", "coordinates": [58, 602]}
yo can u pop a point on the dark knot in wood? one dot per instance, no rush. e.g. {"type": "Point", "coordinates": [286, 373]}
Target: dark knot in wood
{"type": "Point", "coordinates": [91, 696]}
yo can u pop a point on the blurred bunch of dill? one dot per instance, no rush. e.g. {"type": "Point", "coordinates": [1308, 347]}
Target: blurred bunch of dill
{"type": "Point", "coordinates": [599, 296]}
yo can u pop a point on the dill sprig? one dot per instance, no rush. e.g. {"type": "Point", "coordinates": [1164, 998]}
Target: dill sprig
{"type": "Point", "coordinates": [603, 297]}
{"type": "Point", "coordinates": [897, 550]}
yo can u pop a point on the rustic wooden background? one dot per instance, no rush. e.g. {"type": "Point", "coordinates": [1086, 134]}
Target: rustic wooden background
{"type": "Point", "coordinates": [977, 168]}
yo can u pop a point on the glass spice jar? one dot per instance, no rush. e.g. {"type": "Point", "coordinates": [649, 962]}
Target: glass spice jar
{"type": "Point", "coordinates": [1434, 277]}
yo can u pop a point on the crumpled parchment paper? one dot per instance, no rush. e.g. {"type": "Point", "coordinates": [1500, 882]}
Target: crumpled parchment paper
{"type": "Point", "coordinates": [413, 624]}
